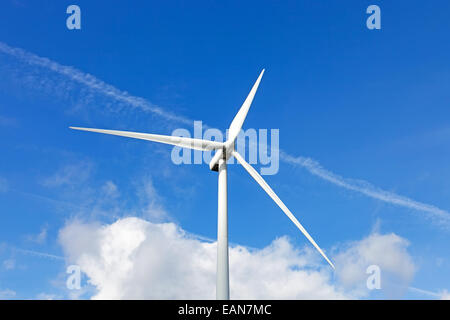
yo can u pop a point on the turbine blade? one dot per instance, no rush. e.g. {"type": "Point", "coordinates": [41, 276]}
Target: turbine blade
{"type": "Point", "coordinates": [277, 200]}
{"type": "Point", "coordinates": [239, 119]}
{"type": "Point", "coordinates": [198, 144]}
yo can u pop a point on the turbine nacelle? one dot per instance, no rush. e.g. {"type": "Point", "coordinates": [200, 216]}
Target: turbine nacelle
{"type": "Point", "coordinates": [214, 163]}
{"type": "Point", "coordinates": [225, 153]}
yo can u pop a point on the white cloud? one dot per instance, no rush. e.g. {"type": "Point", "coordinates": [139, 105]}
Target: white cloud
{"type": "Point", "coordinates": [47, 296]}
{"type": "Point", "coordinates": [133, 258]}
{"type": "Point", "coordinates": [9, 264]}
{"type": "Point", "coordinates": [152, 208]}
{"type": "Point", "coordinates": [39, 254]}
{"type": "Point", "coordinates": [110, 189]}
{"type": "Point", "coordinates": [40, 237]}
{"type": "Point", "coordinates": [136, 259]}
{"type": "Point", "coordinates": [91, 82]}
{"type": "Point", "coordinates": [444, 295]}
{"type": "Point", "coordinates": [7, 294]}
{"type": "Point", "coordinates": [280, 271]}
{"type": "Point", "coordinates": [388, 252]}
{"type": "Point", "coordinates": [70, 175]}
{"type": "Point", "coordinates": [439, 216]}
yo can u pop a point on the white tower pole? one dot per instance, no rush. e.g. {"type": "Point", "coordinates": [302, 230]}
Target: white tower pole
{"type": "Point", "coordinates": [222, 286]}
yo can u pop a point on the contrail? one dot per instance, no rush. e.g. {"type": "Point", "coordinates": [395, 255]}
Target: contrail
{"type": "Point", "coordinates": [91, 82]}
{"type": "Point", "coordinates": [439, 295]}
{"type": "Point", "coordinates": [438, 215]}
{"type": "Point", "coordinates": [40, 254]}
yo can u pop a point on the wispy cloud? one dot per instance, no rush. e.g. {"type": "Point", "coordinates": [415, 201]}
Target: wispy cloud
{"type": "Point", "coordinates": [7, 294]}
{"type": "Point", "coordinates": [39, 238]}
{"type": "Point", "coordinates": [51, 201]}
{"type": "Point", "coordinates": [438, 215]}
{"type": "Point", "coordinates": [72, 174]}
{"type": "Point", "coordinates": [443, 294]}
{"type": "Point", "coordinates": [39, 254]}
{"type": "Point", "coordinates": [151, 202]}
{"type": "Point", "coordinates": [9, 264]}
{"type": "Point", "coordinates": [48, 296]}
{"type": "Point", "coordinates": [91, 82]}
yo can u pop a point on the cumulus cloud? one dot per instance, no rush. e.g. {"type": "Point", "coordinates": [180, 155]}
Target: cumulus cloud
{"type": "Point", "coordinates": [388, 252]}
{"type": "Point", "coordinates": [136, 259]}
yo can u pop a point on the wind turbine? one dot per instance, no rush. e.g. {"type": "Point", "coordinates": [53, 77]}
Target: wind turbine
{"type": "Point", "coordinates": [224, 151]}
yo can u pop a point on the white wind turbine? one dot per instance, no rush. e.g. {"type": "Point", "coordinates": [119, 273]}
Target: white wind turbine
{"type": "Point", "coordinates": [224, 151]}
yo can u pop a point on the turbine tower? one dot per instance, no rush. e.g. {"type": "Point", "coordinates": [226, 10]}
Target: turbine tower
{"type": "Point", "coordinates": [224, 151]}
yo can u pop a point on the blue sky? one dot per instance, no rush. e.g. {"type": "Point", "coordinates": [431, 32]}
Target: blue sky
{"type": "Point", "coordinates": [369, 106]}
